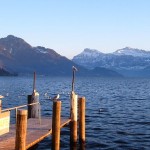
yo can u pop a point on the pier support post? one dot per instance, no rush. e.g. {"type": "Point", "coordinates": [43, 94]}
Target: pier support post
{"type": "Point", "coordinates": [21, 129]}
{"type": "Point", "coordinates": [0, 106]}
{"type": "Point", "coordinates": [81, 103]}
{"type": "Point", "coordinates": [56, 125]}
{"type": "Point", "coordinates": [33, 110]}
{"type": "Point", "coordinates": [73, 115]}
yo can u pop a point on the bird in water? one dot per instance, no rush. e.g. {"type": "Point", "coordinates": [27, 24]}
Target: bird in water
{"type": "Point", "coordinates": [56, 97]}
{"type": "Point", "coordinates": [47, 96]}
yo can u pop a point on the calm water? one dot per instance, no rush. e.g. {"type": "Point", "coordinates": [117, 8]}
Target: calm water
{"type": "Point", "coordinates": [117, 114]}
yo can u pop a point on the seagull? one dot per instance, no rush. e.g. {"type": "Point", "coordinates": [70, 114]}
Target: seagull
{"type": "Point", "coordinates": [56, 97]}
{"type": "Point", "coordinates": [1, 96]}
{"type": "Point", "coordinates": [74, 68]}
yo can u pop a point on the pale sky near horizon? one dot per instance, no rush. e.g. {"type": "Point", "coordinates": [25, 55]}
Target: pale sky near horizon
{"type": "Point", "coordinates": [69, 26]}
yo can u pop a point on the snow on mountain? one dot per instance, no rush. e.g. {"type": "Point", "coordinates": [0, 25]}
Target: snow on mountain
{"type": "Point", "coordinates": [126, 59]}
{"type": "Point", "coordinates": [90, 53]}
{"type": "Point", "coordinates": [132, 52]}
{"type": "Point", "coordinates": [19, 57]}
{"type": "Point", "coordinates": [96, 55]}
{"type": "Point", "coordinates": [41, 50]}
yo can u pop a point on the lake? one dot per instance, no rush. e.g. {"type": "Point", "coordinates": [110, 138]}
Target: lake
{"type": "Point", "coordinates": [117, 110]}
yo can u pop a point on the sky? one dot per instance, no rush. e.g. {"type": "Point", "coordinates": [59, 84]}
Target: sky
{"type": "Point", "coordinates": [70, 26]}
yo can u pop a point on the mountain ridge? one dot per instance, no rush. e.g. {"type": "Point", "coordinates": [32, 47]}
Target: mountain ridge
{"type": "Point", "coordinates": [17, 56]}
{"type": "Point", "coordinates": [127, 61]}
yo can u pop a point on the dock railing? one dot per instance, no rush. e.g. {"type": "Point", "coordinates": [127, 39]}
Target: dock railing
{"type": "Point", "coordinates": [21, 106]}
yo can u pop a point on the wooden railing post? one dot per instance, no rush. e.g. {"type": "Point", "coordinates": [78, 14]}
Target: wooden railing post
{"type": "Point", "coordinates": [0, 106]}
{"type": "Point", "coordinates": [73, 115]}
{"type": "Point", "coordinates": [81, 103]}
{"type": "Point", "coordinates": [21, 129]}
{"type": "Point", "coordinates": [56, 125]}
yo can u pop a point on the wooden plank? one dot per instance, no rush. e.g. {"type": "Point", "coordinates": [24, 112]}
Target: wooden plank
{"type": "Point", "coordinates": [4, 122]}
{"type": "Point", "coordinates": [35, 133]}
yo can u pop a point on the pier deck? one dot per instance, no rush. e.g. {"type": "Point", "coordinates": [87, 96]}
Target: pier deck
{"type": "Point", "coordinates": [36, 132]}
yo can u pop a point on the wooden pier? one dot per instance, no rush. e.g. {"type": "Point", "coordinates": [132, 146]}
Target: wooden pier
{"type": "Point", "coordinates": [31, 128]}
{"type": "Point", "coordinates": [36, 132]}
{"type": "Point", "coordinates": [28, 132]}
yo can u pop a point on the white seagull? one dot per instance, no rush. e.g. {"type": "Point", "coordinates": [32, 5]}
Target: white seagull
{"type": "Point", "coordinates": [1, 96]}
{"type": "Point", "coordinates": [56, 97]}
{"type": "Point", "coordinates": [74, 68]}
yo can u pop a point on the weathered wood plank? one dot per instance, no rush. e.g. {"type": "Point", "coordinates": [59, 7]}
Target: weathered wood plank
{"type": "Point", "coordinates": [35, 133]}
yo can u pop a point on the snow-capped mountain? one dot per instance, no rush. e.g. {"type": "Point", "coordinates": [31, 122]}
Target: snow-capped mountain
{"type": "Point", "coordinates": [19, 57]}
{"type": "Point", "coordinates": [90, 53]}
{"type": "Point", "coordinates": [132, 52]}
{"type": "Point", "coordinates": [122, 60]}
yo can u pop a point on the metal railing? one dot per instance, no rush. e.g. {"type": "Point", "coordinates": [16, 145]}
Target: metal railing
{"type": "Point", "coordinates": [17, 107]}
{"type": "Point", "coordinates": [13, 108]}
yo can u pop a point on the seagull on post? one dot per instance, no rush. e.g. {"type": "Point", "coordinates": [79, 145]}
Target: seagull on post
{"type": "Point", "coordinates": [1, 96]}
{"type": "Point", "coordinates": [56, 97]}
{"type": "Point", "coordinates": [74, 68]}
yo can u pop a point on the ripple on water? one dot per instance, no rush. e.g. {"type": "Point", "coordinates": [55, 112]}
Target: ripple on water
{"type": "Point", "coordinates": [117, 110]}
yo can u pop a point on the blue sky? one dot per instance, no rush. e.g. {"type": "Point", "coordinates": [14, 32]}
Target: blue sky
{"type": "Point", "coordinates": [69, 26]}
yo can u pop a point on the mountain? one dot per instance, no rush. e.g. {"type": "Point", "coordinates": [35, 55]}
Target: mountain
{"type": "Point", "coordinates": [6, 73]}
{"type": "Point", "coordinates": [127, 61]}
{"type": "Point", "coordinates": [103, 72]}
{"type": "Point", "coordinates": [132, 52]}
{"type": "Point", "coordinates": [17, 56]}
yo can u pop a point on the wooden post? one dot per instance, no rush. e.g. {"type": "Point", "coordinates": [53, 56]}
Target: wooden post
{"type": "Point", "coordinates": [82, 120]}
{"type": "Point", "coordinates": [21, 129]}
{"type": "Point", "coordinates": [0, 106]}
{"type": "Point", "coordinates": [56, 125]}
{"type": "Point", "coordinates": [73, 123]}
{"type": "Point", "coordinates": [33, 110]}
{"type": "Point", "coordinates": [29, 106]}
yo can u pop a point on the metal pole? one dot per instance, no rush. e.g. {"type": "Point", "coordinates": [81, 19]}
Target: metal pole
{"type": "Point", "coordinates": [34, 82]}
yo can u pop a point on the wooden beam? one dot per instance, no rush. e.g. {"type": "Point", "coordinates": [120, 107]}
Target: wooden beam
{"type": "Point", "coordinates": [21, 130]}
{"type": "Point", "coordinates": [73, 123]}
{"type": "Point", "coordinates": [82, 120]}
{"type": "Point", "coordinates": [56, 125]}
{"type": "Point", "coordinates": [0, 106]}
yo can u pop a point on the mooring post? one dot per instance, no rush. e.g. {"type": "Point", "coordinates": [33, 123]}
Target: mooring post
{"type": "Point", "coordinates": [21, 129]}
{"type": "Point", "coordinates": [56, 125]}
{"type": "Point", "coordinates": [0, 106]}
{"type": "Point", "coordinates": [81, 103]}
{"type": "Point", "coordinates": [33, 110]}
{"type": "Point", "coordinates": [73, 115]}
{"type": "Point", "coordinates": [29, 106]}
